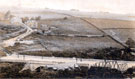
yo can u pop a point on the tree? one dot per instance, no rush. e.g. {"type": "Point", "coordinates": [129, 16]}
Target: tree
{"type": "Point", "coordinates": [131, 43]}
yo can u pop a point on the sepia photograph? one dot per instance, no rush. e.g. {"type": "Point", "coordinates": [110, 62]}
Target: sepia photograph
{"type": "Point", "coordinates": [67, 39]}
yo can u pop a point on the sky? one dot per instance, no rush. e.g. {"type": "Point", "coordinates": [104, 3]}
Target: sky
{"type": "Point", "coordinates": [112, 6]}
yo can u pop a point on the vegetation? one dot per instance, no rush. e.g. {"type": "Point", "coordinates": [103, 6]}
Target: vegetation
{"type": "Point", "coordinates": [14, 71]}
{"type": "Point", "coordinates": [107, 53]}
{"type": "Point", "coordinates": [11, 71]}
{"type": "Point", "coordinates": [131, 43]}
{"type": "Point", "coordinates": [114, 54]}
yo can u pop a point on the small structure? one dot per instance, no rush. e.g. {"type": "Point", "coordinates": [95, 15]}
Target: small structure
{"type": "Point", "coordinates": [38, 18]}
{"type": "Point", "coordinates": [25, 19]}
{"type": "Point", "coordinates": [5, 18]}
{"type": "Point", "coordinates": [32, 24]}
{"type": "Point", "coordinates": [16, 20]}
{"type": "Point", "coordinates": [7, 15]}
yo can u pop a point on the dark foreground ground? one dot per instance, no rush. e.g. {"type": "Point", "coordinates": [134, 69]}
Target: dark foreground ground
{"type": "Point", "coordinates": [13, 70]}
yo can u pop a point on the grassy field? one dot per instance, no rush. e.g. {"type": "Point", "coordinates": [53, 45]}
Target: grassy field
{"type": "Point", "coordinates": [108, 23]}
{"type": "Point", "coordinates": [116, 28]}
{"type": "Point", "coordinates": [71, 26]}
